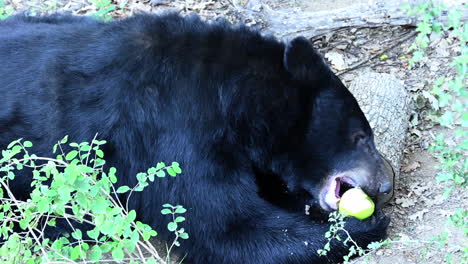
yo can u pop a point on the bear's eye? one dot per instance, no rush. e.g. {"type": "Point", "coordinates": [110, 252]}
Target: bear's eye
{"type": "Point", "coordinates": [358, 137]}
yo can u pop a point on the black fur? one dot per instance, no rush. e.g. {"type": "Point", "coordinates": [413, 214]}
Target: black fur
{"type": "Point", "coordinates": [256, 125]}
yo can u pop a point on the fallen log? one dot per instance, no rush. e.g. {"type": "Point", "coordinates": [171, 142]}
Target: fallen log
{"type": "Point", "coordinates": [291, 22]}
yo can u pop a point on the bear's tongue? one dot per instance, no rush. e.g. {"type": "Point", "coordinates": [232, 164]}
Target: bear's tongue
{"type": "Point", "coordinates": [337, 187]}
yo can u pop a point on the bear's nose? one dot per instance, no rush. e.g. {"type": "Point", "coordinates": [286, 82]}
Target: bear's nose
{"type": "Point", "coordinates": [385, 188]}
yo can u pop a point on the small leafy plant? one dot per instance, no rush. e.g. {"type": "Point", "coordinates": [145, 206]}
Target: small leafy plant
{"type": "Point", "coordinates": [73, 189]}
{"type": "Point", "coordinates": [448, 97]}
{"type": "Point", "coordinates": [4, 11]}
{"type": "Point", "coordinates": [449, 102]}
{"type": "Point", "coordinates": [173, 226]}
{"type": "Point", "coordinates": [104, 8]}
{"type": "Point", "coordinates": [338, 233]}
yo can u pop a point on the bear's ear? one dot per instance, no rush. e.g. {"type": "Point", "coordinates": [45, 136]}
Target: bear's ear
{"type": "Point", "coordinates": [302, 61]}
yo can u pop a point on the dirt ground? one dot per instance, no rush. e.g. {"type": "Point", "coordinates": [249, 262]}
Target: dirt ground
{"type": "Point", "coordinates": [418, 210]}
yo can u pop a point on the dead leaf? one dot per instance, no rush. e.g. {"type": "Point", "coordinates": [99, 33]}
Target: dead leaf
{"type": "Point", "coordinates": [404, 237]}
{"type": "Point", "coordinates": [419, 189]}
{"type": "Point", "coordinates": [411, 167]}
{"type": "Point", "coordinates": [336, 59]}
{"type": "Point", "coordinates": [405, 202]}
{"type": "Point", "coordinates": [418, 215]}
{"type": "Point", "coordinates": [437, 200]}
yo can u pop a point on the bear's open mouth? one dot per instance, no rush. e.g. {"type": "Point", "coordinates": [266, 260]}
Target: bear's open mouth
{"type": "Point", "coordinates": [335, 189]}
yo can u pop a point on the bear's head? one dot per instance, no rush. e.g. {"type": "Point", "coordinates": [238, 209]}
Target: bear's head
{"type": "Point", "coordinates": [337, 151]}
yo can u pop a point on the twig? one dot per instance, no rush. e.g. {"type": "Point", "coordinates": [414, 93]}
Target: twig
{"type": "Point", "coordinates": [359, 64]}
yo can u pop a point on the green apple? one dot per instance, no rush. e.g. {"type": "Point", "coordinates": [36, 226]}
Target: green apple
{"type": "Point", "coordinates": [355, 202]}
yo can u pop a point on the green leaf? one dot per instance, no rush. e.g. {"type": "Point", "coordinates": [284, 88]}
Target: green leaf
{"type": "Point", "coordinates": [16, 148]}
{"type": "Point", "coordinates": [99, 205]}
{"type": "Point", "coordinates": [454, 17]}
{"type": "Point", "coordinates": [72, 173]}
{"type": "Point", "coordinates": [151, 177]}
{"type": "Point", "coordinates": [180, 210]}
{"type": "Point", "coordinates": [13, 143]}
{"type": "Point", "coordinates": [131, 216]}
{"type": "Point", "coordinates": [77, 234]}
{"type": "Point", "coordinates": [171, 226]}
{"type": "Point", "coordinates": [447, 119]}
{"type": "Point", "coordinates": [184, 236]}
{"type": "Point", "coordinates": [146, 236]}
{"type": "Point", "coordinates": [179, 219]}
{"type": "Point", "coordinates": [141, 186]}
{"type": "Point", "coordinates": [444, 99]}
{"type": "Point", "coordinates": [160, 165]}
{"type": "Point", "coordinates": [107, 227]}
{"type": "Point", "coordinates": [76, 253]}
{"type": "Point", "coordinates": [418, 55]}
{"type": "Point", "coordinates": [94, 234]}
{"type": "Point", "coordinates": [71, 155]}
{"type": "Point", "coordinates": [115, 211]}
{"type": "Point", "coordinates": [141, 177]}
{"type": "Point", "coordinates": [151, 261]}
{"type": "Point", "coordinates": [423, 28]}
{"type": "Point", "coordinates": [118, 254]}
{"type": "Point", "coordinates": [171, 172]}
{"type": "Point", "coordinates": [99, 162]}
{"type": "Point", "coordinates": [99, 142]}
{"type": "Point", "coordinates": [123, 189]}
{"type": "Point", "coordinates": [24, 224]}
{"type": "Point", "coordinates": [177, 169]}
{"type": "Point", "coordinates": [85, 148]}
{"type": "Point", "coordinates": [161, 174]}
{"type": "Point", "coordinates": [166, 211]}
{"type": "Point", "coordinates": [27, 144]}
{"type": "Point", "coordinates": [111, 175]}
{"type": "Point", "coordinates": [464, 119]}
{"type": "Point", "coordinates": [100, 153]}
{"type": "Point", "coordinates": [51, 222]}
{"type": "Point", "coordinates": [43, 205]}
{"type": "Point", "coordinates": [64, 140]}
{"type": "Point", "coordinates": [95, 253]}
{"type": "Point", "coordinates": [374, 245]}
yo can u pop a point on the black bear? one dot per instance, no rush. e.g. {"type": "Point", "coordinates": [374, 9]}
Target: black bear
{"type": "Point", "coordinates": [261, 128]}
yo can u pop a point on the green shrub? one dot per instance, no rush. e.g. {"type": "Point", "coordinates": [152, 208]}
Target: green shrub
{"type": "Point", "coordinates": [74, 187]}
{"type": "Point", "coordinates": [449, 102]}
